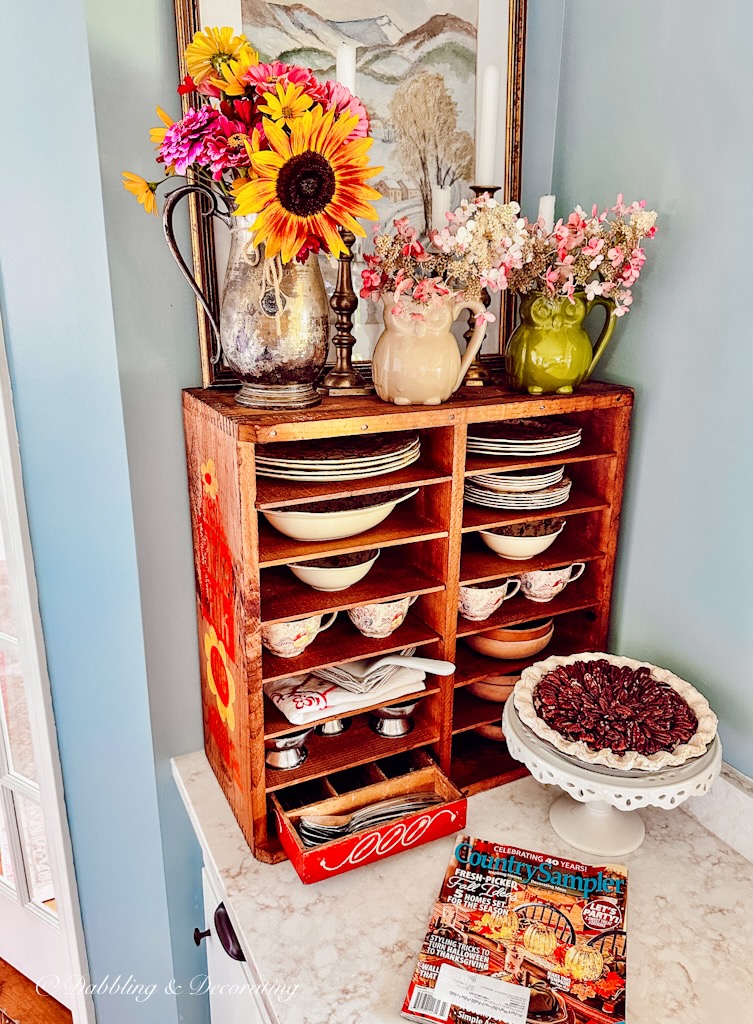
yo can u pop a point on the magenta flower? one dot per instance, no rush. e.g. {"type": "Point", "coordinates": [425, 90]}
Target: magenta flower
{"type": "Point", "coordinates": [185, 141]}
{"type": "Point", "coordinates": [340, 99]}
{"type": "Point", "coordinates": [264, 77]}
{"type": "Point", "coordinates": [225, 146]}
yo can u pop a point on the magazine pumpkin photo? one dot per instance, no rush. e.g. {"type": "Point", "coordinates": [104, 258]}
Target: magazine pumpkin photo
{"type": "Point", "coordinates": [518, 937]}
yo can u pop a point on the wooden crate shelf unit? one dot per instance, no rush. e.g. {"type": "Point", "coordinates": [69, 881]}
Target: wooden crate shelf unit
{"type": "Point", "coordinates": [429, 545]}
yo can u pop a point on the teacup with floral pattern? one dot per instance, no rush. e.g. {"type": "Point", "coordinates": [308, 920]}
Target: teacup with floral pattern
{"type": "Point", "coordinates": [544, 584]}
{"type": "Point", "coordinates": [477, 601]}
{"type": "Point", "coordinates": [382, 619]}
{"type": "Point", "coordinates": [289, 639]}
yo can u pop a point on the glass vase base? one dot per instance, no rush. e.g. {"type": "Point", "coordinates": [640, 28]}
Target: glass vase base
{"type": "Point", "coordinates": [278, 396]}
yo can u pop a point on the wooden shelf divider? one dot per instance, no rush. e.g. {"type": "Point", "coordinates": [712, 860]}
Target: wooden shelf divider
{"type": "Point", "coordinates": [475, 464]}
{"type": "Point", "coordinates": [359, 745]}
{"type": "Point", "coordinates": [428, 546]}
{"type": "Point", "coordinates": [273, 493]}
{"type": "Point", "coordinates": [479, 563]}
{"type": "Point", "coordinates": [284, 597]}
{"type": "Point", "coordinates": [404, 526]}
{"type": "Point", "coordinates": [342, 643]}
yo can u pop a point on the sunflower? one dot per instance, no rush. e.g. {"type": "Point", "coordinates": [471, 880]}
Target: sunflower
{"type": "Point", "coordinates": [286, 104]}
{"type": "Point", "coordinates": [143, 190]}
{"type": "Point", "coordinates": [219, 677]}
{"type": "Point", "coordinates": [211, 49]}
{"type": "Point", "coordinates": [234, 73]}
{"type": "Point", "coordinates": [308, 184]}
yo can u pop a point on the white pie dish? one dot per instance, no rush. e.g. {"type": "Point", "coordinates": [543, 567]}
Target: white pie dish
{"type": "Point", "coordinates": [631, 759]}
{"type": "Point", "coordinates": [315, 526]}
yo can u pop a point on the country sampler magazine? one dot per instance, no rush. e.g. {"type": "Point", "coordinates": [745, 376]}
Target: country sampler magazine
{"type": "Point", "coordinates": [517, 937]}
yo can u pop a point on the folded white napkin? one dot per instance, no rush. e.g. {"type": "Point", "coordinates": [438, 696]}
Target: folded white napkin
{"type": "Point", "coordinates": [304, 699]}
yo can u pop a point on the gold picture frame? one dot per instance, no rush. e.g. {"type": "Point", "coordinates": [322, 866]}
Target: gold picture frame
{"type": "Point", "coordinates": [189, 19]}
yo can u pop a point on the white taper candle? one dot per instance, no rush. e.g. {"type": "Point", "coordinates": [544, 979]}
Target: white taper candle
{"type": "Point", "coordinates": [546, 210]}
{"type": "Point", "coordinates": [440, 205]}
{"type": "Point", "coordinates": [346, 66]}
{"type": "Point", "coordinates": [486, 148]}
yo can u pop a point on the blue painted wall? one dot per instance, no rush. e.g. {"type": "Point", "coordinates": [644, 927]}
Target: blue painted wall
{"type": "Point", "coordinates": [654, 101]}
{"type": "Point", "coordinates": [97, 362]}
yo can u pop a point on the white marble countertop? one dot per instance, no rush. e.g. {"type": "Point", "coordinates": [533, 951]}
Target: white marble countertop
{"type": "Point", "coordinates": [350, 942]}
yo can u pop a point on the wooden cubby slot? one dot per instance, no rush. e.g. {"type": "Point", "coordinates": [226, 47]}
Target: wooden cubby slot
{"type": "Point", "coordinates": [430, 544]}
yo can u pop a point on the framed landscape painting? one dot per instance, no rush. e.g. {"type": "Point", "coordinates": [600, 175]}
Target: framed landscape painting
{"type": "Point", "coordinates": [416, 73]}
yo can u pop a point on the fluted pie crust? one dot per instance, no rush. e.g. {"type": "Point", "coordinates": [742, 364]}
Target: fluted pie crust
{"type": "Point", "coordinates": [523, 697]}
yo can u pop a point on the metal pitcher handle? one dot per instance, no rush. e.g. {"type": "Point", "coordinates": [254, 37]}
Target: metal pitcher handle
{"type": "Point", "coordinates": [206, 209]}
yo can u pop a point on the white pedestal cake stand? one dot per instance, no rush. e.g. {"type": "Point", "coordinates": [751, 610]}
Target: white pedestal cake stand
{"type": "Point", "coordinates": [597, 814]}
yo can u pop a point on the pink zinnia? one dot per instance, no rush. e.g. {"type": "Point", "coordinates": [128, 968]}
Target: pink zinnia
{"type": "Point", "coordinates": [265, 76]}
{"type": "Point", "coordinates": [185, 141]}
{"type": "Point", "coordinates": [225, 146]}
{"type": "Point", "coordinates": [340, 99]}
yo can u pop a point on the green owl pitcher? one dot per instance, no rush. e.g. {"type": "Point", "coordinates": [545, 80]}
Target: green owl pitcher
{"type": "Point", "coordinates": [550, 351]}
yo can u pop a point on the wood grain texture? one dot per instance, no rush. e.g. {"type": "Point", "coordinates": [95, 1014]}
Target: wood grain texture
{"type": "Point", "coordinates": [336, 417]}
{"type": "Point", "coordinates": [21, 1003]}
{"type": "Point", "coordinates": [429, 544]}
{"type": "Point", "coordinates": [395, 574]}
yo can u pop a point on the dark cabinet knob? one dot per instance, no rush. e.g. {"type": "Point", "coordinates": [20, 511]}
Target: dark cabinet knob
{"type": "Point", "coordinates": [198, 936]}
{"type": "Point", "coordinates": [226, 934]}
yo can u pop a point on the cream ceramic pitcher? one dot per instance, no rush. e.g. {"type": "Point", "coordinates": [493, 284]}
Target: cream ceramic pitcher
{"type": "Point", "coordinates": [417, 361]}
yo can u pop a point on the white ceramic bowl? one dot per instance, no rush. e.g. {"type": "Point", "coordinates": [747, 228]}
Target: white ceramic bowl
{"type": "Point", "coordinates": [519, 547]}
{"type": "Point", "coordinates": [320, 577]}
{"type": "Point", "coordinates": [331, 525]}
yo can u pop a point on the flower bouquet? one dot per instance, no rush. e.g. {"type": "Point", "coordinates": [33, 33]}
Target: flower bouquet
{"type": "Point", "coordinates": [481, 243]}
{"type": "Point", "coordinates": [596, 255]}
{"type": "Point", "coordinates": [282, 158]}
{"type": "Point", "coordinates": [416, 359]}
{"type": "Point", "coordinates": [561, 275]}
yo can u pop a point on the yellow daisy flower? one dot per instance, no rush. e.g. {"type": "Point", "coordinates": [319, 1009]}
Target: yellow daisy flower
{"type": "Point", "coordinates": [286, 104]}
{"type": "Point", "coordinates": [210, 50]}
{"type": "Point", "coordinates": [157, 135]}
{"type": "Point", "coordinates": [219, 677]}
{"type": "Point", "coordinates": [233, 71]}
{"type": "Point", "coordinates": [308, 183]}
{"type": "Point", "coordinates": [209, 479]}
{"type": "Point", "coordinates": [143, 190]}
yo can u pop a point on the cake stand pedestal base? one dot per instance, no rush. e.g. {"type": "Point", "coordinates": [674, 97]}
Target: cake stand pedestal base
{"type": "Point", "coordinates": [597, 827]}
{"type": "Point", "coordinates": [598, 812]}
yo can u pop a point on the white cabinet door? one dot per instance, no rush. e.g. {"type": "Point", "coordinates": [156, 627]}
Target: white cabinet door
{"type": "Point", "coordinates": [231, 988]}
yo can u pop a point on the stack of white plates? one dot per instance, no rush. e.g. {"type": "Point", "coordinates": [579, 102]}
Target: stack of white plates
{"type": "Point", "coordinates": [519, 480]}
{"type": "Point", "coordinates": [548, 497]}
{"type": "Point", "coordinates": [522, 438]}
{"type": "Point", "coordinates": [349, 458]}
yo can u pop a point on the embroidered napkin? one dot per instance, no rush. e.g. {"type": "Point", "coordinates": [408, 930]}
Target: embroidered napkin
{"type": "Point", "coordinates": [304, 699]}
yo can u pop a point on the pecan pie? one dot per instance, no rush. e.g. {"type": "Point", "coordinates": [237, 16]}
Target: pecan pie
{"type": "Point", "coordinates": [615, 711]}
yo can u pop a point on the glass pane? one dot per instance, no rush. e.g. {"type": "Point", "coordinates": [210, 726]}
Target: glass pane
{"type": "Point", "coordinates": [6, 866]}
{"type": "Point", "coordinates": [34, 843]}
{"type": "Point", "coordinates": [21, 752]}
{"type": "Point", "coordinates": [7, 622]}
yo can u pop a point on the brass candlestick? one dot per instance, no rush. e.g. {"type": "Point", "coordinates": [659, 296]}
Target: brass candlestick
{"type": "Point", "coordinates": [343, 379]}
{"type": "Point", "coordinates": [477, 374]}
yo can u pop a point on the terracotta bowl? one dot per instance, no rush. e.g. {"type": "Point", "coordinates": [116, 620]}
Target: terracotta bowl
{"type": "Point", "coordinates": [510, 649]}
{"type": "Point", "coordinates": [492, 731]}
{"type": "Point", "coordinates": [523, 631]}
{"type": "Point", "coordinates": [494, 688]}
